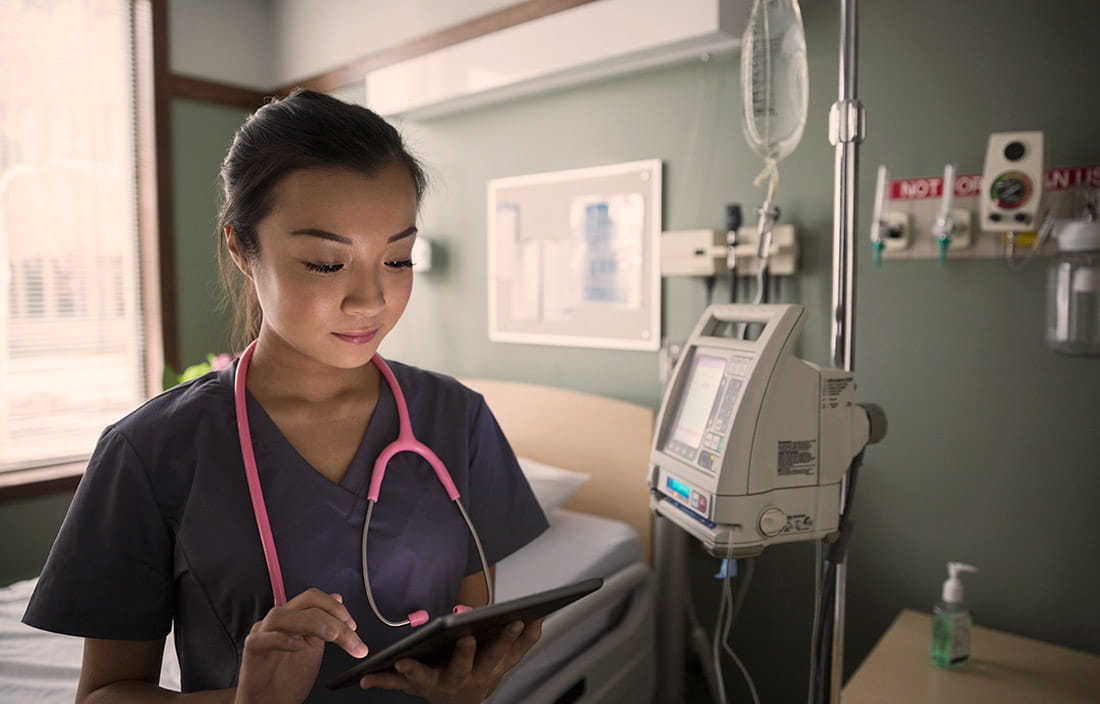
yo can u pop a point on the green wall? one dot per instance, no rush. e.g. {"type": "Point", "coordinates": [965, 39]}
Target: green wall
{"type": "Point", "coordinates": [992, 454]}
{"type": "Point", "coordinates": [29, 527]}
{"type": "Point", "coordinates": [201, 135]}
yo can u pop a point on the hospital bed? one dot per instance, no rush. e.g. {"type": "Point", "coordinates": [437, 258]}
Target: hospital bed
{"type": "Point", "coordinates": [599, 650]}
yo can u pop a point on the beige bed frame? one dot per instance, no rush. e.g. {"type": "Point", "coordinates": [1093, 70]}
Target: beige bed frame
{"type": "Point", "coordinates": [607, 438]}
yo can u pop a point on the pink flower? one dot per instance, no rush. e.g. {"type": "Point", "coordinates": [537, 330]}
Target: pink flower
{"type": "Point", "coordinates": [221, 361]}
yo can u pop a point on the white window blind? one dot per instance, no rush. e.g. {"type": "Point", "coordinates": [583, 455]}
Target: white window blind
{"type": "Point", "coordinates": [71, 341]}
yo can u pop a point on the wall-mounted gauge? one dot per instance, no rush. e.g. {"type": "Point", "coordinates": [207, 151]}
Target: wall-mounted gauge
{"type": "Point", "coordinates": [1012, 182]}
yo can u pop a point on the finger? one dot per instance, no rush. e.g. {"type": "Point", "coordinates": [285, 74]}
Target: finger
{"type": "Point", "coordinates": [310, 622]}
{"type": "Point", "coordinates": [531, 635]}
{"type": "Point", "coordinates": [316, 623]}
{"type": "Point", "coordinates": [522, 645]}
{"type": "Point", "coordinates": [386, 680]}
{"type": "Point", "coordinates": [273, 641]}
{"type": "Point", "coordinates": [316, 599]}
{"type": "Point", "coordinates": [498, 649]}
{"type": "Point", "coordinates": [460, 666]}
{"type": "Point", "coordinates": [422, 678]}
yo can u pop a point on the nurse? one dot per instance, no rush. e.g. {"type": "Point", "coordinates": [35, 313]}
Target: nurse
{"type": "Point", "coordinates": [318, 222]}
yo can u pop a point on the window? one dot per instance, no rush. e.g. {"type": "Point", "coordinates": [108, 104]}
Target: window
{"type": "Point", "coordinates": [72, 329]}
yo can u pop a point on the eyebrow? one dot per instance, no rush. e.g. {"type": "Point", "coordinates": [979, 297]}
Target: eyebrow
{"type": "Point", "coordinates": [326, 235]}
{"type": "Point", "coordinates": [403, 234]}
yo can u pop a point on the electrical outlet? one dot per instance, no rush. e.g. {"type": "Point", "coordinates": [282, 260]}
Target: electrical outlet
{"type": "Point", "coordinates": [693, 252]}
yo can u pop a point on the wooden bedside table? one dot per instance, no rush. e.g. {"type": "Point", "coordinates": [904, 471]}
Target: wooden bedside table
{"type": "Point", "coordinates": [1003, 668]}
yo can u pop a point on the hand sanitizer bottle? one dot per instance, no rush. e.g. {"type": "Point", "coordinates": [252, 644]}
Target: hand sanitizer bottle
{"type": "Point", "coordinates": [951, 620]}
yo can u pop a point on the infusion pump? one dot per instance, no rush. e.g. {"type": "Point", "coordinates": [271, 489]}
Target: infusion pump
{"type": "Point", "coordinates": [752, 443]}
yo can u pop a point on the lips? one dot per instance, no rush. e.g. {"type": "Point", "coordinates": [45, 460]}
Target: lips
{"type": "Point", "coordinates": [357, 338]}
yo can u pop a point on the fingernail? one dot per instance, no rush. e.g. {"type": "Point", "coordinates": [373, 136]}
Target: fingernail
{"type": "Point", "coordinates": [361, 649]}
{"type": "Point", "coordinates": [515, 629]}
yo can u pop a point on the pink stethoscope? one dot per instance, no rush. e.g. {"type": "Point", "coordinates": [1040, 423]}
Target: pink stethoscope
{"type": "Point", "coordinates": [405, 442]}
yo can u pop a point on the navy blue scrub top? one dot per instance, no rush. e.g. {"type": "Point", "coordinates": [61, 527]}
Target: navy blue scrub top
{"type": "Point", "coordinates": [161, 531]}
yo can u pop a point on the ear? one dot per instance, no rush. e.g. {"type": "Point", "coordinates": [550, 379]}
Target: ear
{"type": "Point", "coordinates": [239, 257]}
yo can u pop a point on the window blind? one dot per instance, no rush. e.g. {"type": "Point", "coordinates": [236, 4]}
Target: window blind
{"type": "Point", "coordinates": [71, 339]}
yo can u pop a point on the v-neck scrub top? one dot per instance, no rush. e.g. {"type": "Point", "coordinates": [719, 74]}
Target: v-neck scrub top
{"type": "Point", "coordinates": [161, 531]}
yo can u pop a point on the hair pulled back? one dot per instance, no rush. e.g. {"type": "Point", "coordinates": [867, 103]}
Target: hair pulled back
{"type": "Point", "coordinates": [306, 129]}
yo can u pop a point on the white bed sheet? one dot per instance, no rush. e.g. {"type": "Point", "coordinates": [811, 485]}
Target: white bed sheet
{"type": "Point", "coordinates": [577, 546]}
{"type": "Point", "coordinates": [43, 668]}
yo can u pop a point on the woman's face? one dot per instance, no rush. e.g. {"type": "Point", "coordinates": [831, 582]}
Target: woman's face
{"type": "Point", "coordinates": [334, 274]}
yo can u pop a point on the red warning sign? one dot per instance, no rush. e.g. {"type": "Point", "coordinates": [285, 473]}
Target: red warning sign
{"type": "Point", "coordinates": [1057, 179]}
{"type": "Point", "coordinates": [1065, 177]}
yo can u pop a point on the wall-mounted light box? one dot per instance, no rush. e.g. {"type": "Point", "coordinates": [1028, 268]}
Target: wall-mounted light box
{"type": "Point", "coordinates": [585, 43]}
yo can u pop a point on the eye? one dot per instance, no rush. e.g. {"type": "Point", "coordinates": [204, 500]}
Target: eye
{"type": "Point", "coordinates": [324, 268]}
{"type": "Point", "coordinates": [400, 264]}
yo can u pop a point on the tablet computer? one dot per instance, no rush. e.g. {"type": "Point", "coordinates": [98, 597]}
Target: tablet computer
{"type": "Point", "coordinates": [433, 642]}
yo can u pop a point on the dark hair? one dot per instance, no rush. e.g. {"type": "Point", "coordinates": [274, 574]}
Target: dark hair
{"type": "Point", "coordinates": [303, 130]}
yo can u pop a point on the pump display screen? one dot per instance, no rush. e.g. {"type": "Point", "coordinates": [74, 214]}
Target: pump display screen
{"type": "Point", "coordinates": [698, 399]}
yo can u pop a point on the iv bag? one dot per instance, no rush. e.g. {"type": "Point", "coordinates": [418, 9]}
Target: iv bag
{"type": "Point", "coordinates": [773, 78]}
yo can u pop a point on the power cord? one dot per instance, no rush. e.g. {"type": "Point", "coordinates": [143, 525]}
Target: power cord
{"type": "Point", "coordinates": [728, 610]}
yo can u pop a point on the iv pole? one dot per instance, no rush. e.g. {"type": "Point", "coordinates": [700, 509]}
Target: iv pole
{"type": "Point", "coordinates": [846, 130]}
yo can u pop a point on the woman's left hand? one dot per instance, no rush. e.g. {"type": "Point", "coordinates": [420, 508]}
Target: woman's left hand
{"type": "Point", "coordinates": [471, 675]}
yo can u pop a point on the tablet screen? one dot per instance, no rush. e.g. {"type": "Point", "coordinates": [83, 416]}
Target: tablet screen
{"type": "Point", "coordinates": [433, 642]}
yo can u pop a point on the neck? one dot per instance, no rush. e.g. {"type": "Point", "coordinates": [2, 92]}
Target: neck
{"type": "Point", "coordinates": [278, 373]}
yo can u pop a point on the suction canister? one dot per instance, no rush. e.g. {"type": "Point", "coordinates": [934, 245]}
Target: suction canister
{"type": "Point", "coordinates": [1073, 289]}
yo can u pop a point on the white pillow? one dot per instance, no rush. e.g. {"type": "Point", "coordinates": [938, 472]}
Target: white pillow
{"type": "Point", "coordinates": [552, 485]}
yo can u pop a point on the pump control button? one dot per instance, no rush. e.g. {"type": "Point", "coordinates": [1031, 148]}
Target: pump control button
{"type": "Point", "coordinates": [772, 521]}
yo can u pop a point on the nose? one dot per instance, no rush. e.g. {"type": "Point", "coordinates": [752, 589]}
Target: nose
{"type": "Point", "coordinates": [364, 296]}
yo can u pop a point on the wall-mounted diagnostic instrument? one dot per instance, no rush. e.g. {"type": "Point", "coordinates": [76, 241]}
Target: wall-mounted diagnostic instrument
{"type": "Point", "coordinates": [752, 443]}
{"type": "Point", "coordinates": [1012, 182]}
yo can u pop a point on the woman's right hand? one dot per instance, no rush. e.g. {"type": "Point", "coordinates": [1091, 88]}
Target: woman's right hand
{"type": "Point", "coordinates": [282, 653]}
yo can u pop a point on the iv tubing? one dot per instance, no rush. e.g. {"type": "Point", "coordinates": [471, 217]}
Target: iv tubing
{"type": "Point", "coordinates": [1043, 234]}
{"type": "Point", "coordinates": [728, 610]}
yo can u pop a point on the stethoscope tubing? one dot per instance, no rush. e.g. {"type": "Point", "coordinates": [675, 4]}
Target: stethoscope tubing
{"type": "Point", "coordinates": [406, 442]}
{"type": "Point", "coordinates": [255, 491]}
